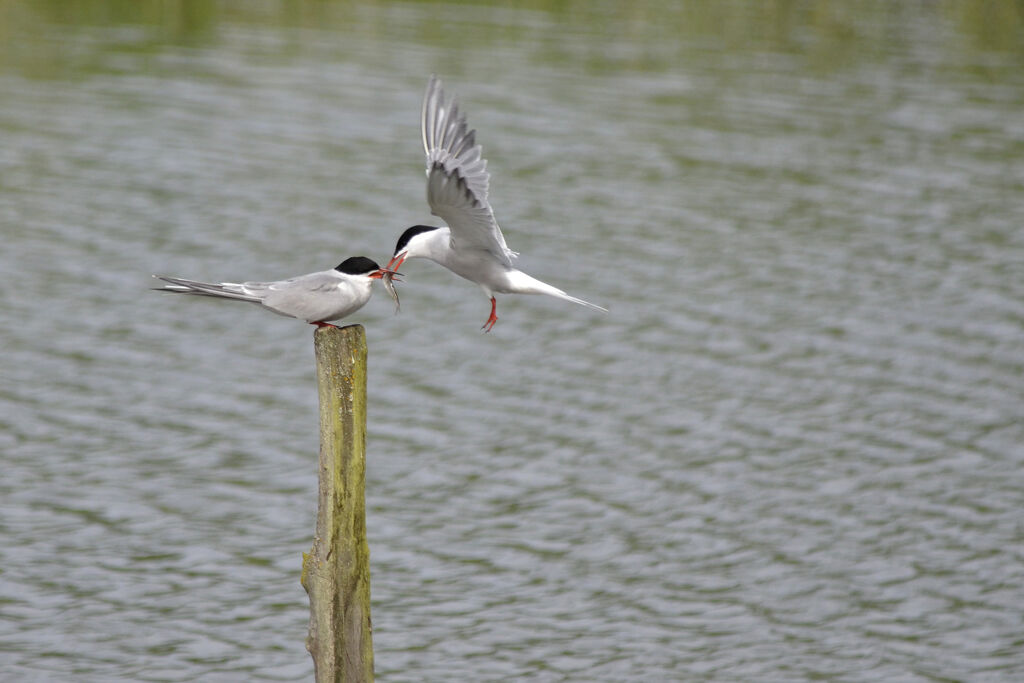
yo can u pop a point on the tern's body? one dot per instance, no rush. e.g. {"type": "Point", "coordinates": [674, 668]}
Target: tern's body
{"type": "Point", "coordinates": [472, 245]}
{"type": "Point", "coordinates": [317, 298]}
{"type": "Point", "coordinates": [480, 266]}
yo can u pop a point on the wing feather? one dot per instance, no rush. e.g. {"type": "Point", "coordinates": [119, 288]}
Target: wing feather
{"type": "Point", "coordinates": [457, 177]}
{"type": "Point", "coordinates": [222, 290]}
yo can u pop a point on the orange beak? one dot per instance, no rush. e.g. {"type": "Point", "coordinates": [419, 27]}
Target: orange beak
{"type": "Point", "coordinates": [396, 261]}
{"type": "Point", "coordinates": [383, 272]}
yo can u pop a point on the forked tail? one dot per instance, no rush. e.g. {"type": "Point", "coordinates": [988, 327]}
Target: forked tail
{"type": "Point", "coordinates": [221, 290]}
{"type": "Point", "coordinates": [524, 284]}
{"type": "Point", "coordinates": [581, 302]}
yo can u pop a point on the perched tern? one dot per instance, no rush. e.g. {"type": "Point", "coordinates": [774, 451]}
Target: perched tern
{"type": "Point", "coordinates": [316, 298]}
{"type": "Point", "coordinates": [471, 246]}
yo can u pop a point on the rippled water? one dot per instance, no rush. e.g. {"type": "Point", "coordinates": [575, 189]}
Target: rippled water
{"type": "Point", "coordinates": [791, 451]}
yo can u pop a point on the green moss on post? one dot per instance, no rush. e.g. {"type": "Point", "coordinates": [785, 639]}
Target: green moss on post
{"type": "Point", "coordinates": [336, 572]}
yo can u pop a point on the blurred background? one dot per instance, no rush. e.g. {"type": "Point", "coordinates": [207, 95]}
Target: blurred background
{"type": "Point", "coordinates": [792, 449]}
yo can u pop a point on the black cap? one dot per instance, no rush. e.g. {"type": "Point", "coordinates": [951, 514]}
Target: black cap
{"type": "Point", "coordinates": [357, 265]}
{"type": "Point", "coordinates": [410, 233]}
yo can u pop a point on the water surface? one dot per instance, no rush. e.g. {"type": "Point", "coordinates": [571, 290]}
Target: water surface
{"type": "Point", "coordinates": [792, 450]}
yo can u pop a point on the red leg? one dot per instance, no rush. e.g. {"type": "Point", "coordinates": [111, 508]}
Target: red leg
{"type": "Point", "coordinates": [320, 323]}
{"type": "Point", "coordinates": [489, 325]}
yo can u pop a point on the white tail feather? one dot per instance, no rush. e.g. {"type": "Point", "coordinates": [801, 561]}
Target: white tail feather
{"type": "Point", "coordinates": [524, 284]}
{"type": "Point", "coordinates": [581, 302]}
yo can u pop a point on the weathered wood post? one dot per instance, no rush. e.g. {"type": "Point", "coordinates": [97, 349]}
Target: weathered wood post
{"type": "Point", "coordinates": [336, 572]}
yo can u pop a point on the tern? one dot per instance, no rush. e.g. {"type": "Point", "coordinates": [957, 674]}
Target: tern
{"type": "Point", "coordinates": [316, 298]}
{"type": "Point", "coordinates": [471, 246]}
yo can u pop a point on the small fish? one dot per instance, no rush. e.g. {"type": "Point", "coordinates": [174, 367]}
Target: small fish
{"type": "Point", "coordinates": [388, 279]}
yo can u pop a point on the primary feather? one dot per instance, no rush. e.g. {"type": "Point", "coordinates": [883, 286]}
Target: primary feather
{"type": "Point", "coordinates": [457, 177]}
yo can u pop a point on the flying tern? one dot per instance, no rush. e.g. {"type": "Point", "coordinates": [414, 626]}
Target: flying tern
{"type": "Point", "coordinates": [471, 245]}
{"type": "Point", "coordinates": [316, 298]}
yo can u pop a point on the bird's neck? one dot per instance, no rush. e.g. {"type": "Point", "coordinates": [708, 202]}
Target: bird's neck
{"type": "Point", "coordinates": [434, 245]}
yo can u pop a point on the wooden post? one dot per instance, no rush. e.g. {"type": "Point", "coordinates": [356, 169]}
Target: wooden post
{"type": "Point", "coordinates": [336, 572]}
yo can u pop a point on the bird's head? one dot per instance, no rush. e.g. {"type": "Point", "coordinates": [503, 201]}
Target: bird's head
{"type": "Point", "coordinates": [412, 243]}
{"type": "Point", "coordinates": [360, 265]}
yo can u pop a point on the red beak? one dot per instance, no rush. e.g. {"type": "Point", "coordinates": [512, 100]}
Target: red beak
{"type": "Point", "coordinates": [396, 261]}
{"type": "Point", "coordinates": [378, 274]}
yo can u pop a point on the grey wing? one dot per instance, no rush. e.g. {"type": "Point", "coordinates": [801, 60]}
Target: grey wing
{"type": "Point", "coordinates": [457, 178]}
{"type": "Point", "coordinates": [307, 297]}
{"type": "Point", "coordinates": [220, 290]}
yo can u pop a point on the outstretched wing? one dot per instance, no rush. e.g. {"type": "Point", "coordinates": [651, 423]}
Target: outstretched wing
{"type": "Point", "coordinates": [457, 177]}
